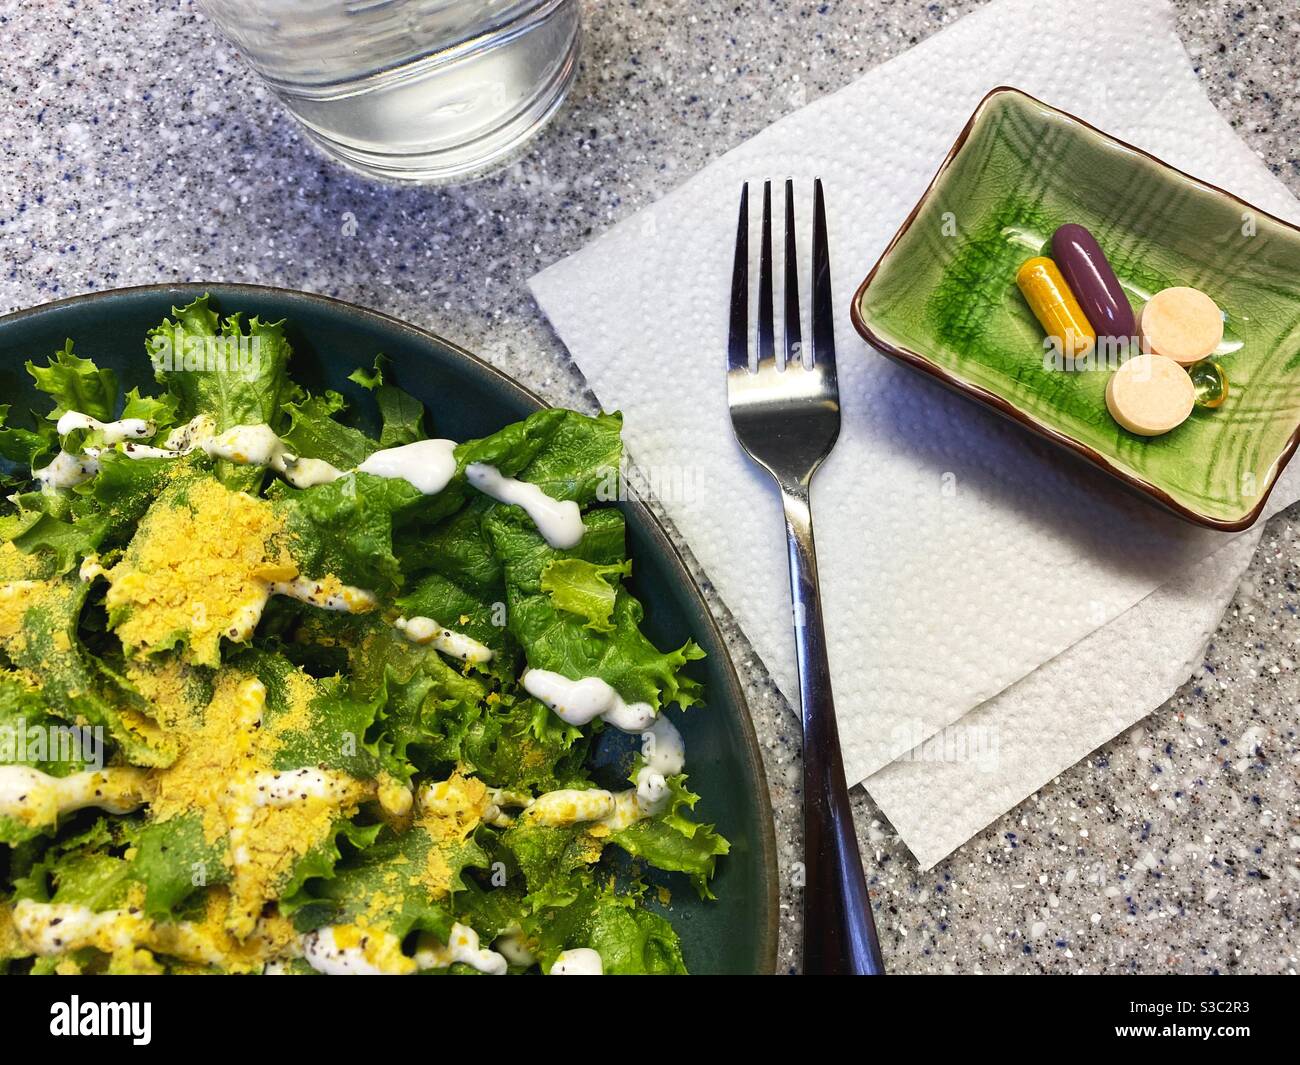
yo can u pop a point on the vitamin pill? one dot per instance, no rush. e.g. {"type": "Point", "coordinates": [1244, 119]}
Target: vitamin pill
{"type": "Point", "coordinates": [1088, 273]}
{"type": "Point", "coordinates": [1150, 395]}
{"type": "Point", "coordinates": [1210, 383]}
{"type": "Point", "coordinates": [1055, 307]}
{"type": "Point", "coordinates": [1182, 324]}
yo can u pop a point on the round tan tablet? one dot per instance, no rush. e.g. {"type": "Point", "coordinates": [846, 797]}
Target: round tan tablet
{"type": "Point", "coordinates": [1182, 324]}
{"type": "Point", "coordinates": [1150, 395]}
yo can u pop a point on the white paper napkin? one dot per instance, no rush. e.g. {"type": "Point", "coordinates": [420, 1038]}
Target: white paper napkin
{"type": "Point", "coordinates": [958, 554]}
{"type": "Point", "coordinates": [945, 790]}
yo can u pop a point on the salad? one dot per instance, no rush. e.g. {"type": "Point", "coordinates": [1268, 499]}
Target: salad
{"type": "Point", "coordinates": [277, 696]}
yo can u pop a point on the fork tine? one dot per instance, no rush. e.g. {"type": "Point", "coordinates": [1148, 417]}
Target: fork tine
{"type": "Point", "coordinates": [738, 337]}
{"type": "Point", "coordinates": [823, 313]}
{"type": "Point", "coordinates": [766, 328]}
{"type": "Point", "coordinates": [793, 329]}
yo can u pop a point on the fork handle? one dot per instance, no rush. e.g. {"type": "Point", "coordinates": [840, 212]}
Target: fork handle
{"type": "Point", "coordinates": [839, 932]}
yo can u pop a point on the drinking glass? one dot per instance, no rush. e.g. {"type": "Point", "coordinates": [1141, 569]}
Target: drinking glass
{"type": "Point", "coordinates": [411, 90]}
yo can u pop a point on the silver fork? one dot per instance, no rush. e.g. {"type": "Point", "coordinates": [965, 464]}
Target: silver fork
{"type": "Point", "coordinates": [786, 415]}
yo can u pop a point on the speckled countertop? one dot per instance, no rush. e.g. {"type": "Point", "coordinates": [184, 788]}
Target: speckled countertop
{"type": "Point", "coordinates": [135, 148]}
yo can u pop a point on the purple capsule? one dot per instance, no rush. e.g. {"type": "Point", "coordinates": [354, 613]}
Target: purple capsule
{"type": "Point", "coordinates": [1094, 284]}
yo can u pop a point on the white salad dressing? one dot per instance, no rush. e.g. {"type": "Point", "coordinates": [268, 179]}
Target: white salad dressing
{"type": "Point", "coordinates": [428, 465]}
{"type": "Point", "coordinates": [113, 432]}
{"type": "Point", "coordinates": [54, 928]}
{"type": "Point", "coordinates": [663, 748]}
{"type": "Point", "coordinates": [308, 473]}
{"type": "Point", "coordinates": [185, 438]}
{"type": "Point", "coordinates": [615, 810]}
{"type": "Point", "coordinates": [247, 445]}
{"type": "Point", "coordinates": [628, 808]}
{"type": "Point", "coordinates": [339, 950]}
{"type": "Point", "coordinates": [49, 928]}
{"type": "Point", "coordinates": [500, 800]}
{"type": "Point", "coordinates": [558, 520]}
{"type": "Point", "coordinates": [145, 451]}
{"type": "Point", "coordinates": [424, 630]}
{"type": "Point", "coordinates": [580, 961]}
{"type": "Point", "coordinates": [579, 701]}
{"type": "Point", "coordinates": [571, 806]}
{"type": "Point", "coordinates": [90, 568]}
{"type": "Point", "coordinates": [513, 947]}
{"type": "Point", "coordinates": [463, 947]}
{"type": "Point", "coordinates": [664, 753]}
{"type": "Point", "coordinates": [36, 798]}
{"type": "Point", "coordinates": [327, 595]}
{"type": "Point", "coordinates": [258, 445]}
{"type": "Point", "coordinates": [239, 804]}
{"type": "Point", "coordinates": [346, 950]}
{"type": "Point", "coordinates": [290, 786]}
{"type": "Point", "coordinates": [67, 471]}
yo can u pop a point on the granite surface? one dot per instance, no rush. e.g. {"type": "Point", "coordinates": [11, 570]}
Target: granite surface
{"type": "Point", "coordinates": [136, 148]}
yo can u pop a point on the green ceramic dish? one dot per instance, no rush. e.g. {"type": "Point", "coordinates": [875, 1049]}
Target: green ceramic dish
{"type": "Point", "coordinates": [943, 299]}
{"type": "Point", "coordinates": [468, 398]}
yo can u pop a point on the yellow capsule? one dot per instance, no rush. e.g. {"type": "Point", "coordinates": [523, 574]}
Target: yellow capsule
{"type": "Point", "coordinates": [1055, 306]}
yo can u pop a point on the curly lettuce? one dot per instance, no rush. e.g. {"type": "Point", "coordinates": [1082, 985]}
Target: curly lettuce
{"type": "Point", "coordinates": [401, 774]}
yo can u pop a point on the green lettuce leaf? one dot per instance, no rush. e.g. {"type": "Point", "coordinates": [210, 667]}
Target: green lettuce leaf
{"type": "Point", "coordinates": [161, 409]}
{"type": "Point", "coordinates": [519, 744]}
{"type": "Point", "coordinates": [315, 432]}
{"type": "Point", "coordinates": [76, 685]}
{"type": "Point", "coordinates": [25, 447]}
{"type": "Point", "coordinates": [456, 548]}
{"type": "Point", "coordinates": [110, 505]}
{"type": "Point", "coordinates": [82, 868]}
{"type": "Point", "coordinates": [583, 588]}
{"type": "Point", "coordinates": [562, 642]}
{"type": "Point", "coordinates": [613, 921]}
{"type": "Point", "coordinates": [236, 391]}
{"type": "Point", "coordinates": [675, 843]}
{"type": "Point", "coordinates": [566, 454]}
{"type": "Point", "coordinates": [474, 614]}
{"type": "Point", "coordinates": [401, 414]}
{"type": "Point", "coordinates": [76, 384]}
{"type": "Point", "coordinates": [345, 528]}
{"type": "Point", "coordinates": [175, 862]}
{"type": "Point", "coordinates": [29, 735]}
{"type": "Point", "coordinates": [555, 863]}
{"type": "Point", "coordinates": [383, 883]}
{"type": "Point", "coordinates": [426, 705]}
{"type": "Point", "coordinates": [333, 733]}
{"type": "Point", "coordinates": [233, 371]}
{"type": "Point", "coordinates": [320, 862]}
{"type": "Point", "coordinates": [66, 543]}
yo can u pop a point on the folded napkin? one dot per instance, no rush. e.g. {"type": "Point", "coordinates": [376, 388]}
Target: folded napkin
{"type": "Point", "coordinates": [946, 789]}
{"type": "Point", "coordinates": [961, 558]}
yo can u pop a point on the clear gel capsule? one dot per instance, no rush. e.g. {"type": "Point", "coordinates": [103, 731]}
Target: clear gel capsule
{"type": "Point", "coordinates": [1055, 307]}
{"type": "Point", "coordinates": [1210, 382]}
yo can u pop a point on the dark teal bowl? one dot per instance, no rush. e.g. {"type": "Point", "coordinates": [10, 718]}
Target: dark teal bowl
{"type": "Point", "coordinates": [466, 398]}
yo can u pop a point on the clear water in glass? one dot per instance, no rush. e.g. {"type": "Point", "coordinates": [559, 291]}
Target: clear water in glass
{"type": "Point", "coordinates": [411, 90]}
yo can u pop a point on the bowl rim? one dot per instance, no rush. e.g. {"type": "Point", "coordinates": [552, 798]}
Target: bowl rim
{"type": "Point", "coordinates": [487, 374]}
{"type": "Point", "coordinates": [1009, 410]}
